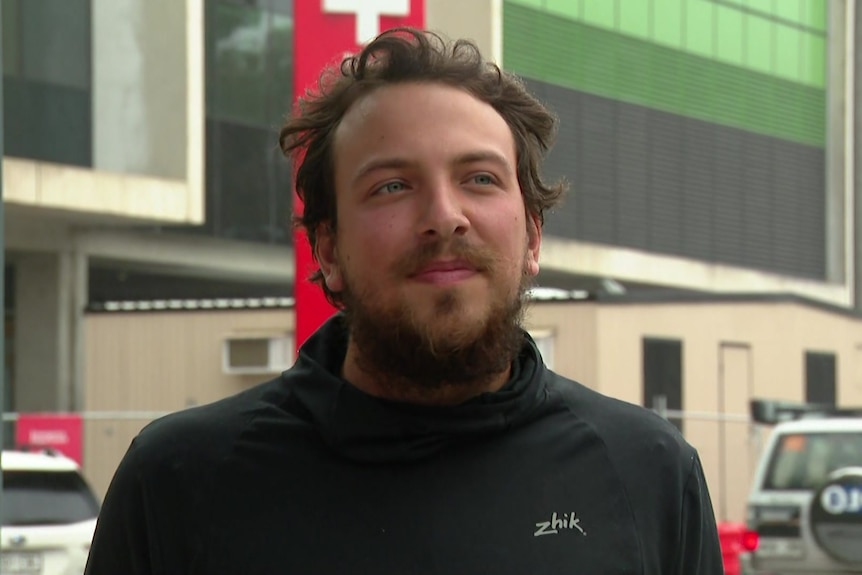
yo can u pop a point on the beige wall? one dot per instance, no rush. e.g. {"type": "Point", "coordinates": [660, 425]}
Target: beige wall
{"type": "Point", "coordinates": [574, 328]}
{"type": "Point", "coordinates": [159, 361]}
{"type": "Point", "coordinates": [732, 351]}
{"type": "Point", "coordinates": [478, 20]}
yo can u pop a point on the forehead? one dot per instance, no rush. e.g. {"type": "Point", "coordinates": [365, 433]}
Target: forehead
{"type": "Point", "coordinates": [419, 121]}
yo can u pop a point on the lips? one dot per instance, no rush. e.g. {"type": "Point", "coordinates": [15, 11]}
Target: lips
{"type": "Point", "coordinates": [442, 272]}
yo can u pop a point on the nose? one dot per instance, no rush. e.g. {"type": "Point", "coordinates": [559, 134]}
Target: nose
{"type": "Point", "coordinates": [443, 212]}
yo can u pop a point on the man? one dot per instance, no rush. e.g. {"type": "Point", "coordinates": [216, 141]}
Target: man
{"type": "Point", "coordinates": [419, 431]}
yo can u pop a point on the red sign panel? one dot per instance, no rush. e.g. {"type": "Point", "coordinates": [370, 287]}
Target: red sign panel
{"type": "Point", "coordinates": [324, 30]}
{"type": "Point", "coordinates": [61, 432]}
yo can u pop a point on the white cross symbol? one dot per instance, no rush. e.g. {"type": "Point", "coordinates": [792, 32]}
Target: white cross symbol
{"type": "Point", "coordinates": [368, 14]}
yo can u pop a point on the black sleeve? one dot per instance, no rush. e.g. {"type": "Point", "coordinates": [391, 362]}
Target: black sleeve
{"type": "Point", "coordinates": [122, 541]}
{"type": "Point", "coordinates": [699, 550]}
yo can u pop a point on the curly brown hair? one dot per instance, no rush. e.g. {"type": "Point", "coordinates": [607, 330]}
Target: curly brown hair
{"type": "Point", "coordinates": [397, 56]}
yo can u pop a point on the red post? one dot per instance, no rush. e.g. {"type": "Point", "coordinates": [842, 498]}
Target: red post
{"type": "Point", "coordinates": [730, 536]}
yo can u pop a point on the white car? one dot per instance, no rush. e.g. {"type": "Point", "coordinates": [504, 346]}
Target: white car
{"type": "Point", "coordinates": [805, 506]}
{"type": "Point", "coordinates": [48, 515]}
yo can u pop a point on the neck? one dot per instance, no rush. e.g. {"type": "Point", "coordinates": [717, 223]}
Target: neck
{"type": "Point", "coordinates": [396, 388]}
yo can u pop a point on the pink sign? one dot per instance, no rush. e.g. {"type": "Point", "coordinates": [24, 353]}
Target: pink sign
{"type": "Point", "coordinates": [62, 432]}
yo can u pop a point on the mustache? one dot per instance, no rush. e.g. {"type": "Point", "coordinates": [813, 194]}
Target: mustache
{"type": "Point", "coordinates": [482, 259]}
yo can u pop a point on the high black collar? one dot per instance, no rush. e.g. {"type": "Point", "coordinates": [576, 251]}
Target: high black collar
{"type": "Point", "coordinates": [366, 428]}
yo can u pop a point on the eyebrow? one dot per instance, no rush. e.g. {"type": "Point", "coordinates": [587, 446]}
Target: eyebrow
{"type": "Point", "coordinates": [461, 159]}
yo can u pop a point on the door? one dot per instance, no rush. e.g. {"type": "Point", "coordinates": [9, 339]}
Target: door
{"type": "Point", "coordinates": [735, 452]}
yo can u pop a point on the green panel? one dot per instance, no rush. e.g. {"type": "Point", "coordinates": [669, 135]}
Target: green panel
{"type": "Point", "coordinates": [635, 18]}
{"type": "Point", "coordinates": [567, 8]}
{"type": "Point", "coordinates": [599, 13]}
{"type": "Point", "coordinates": [667, 22]}
{"type": "Point", "coordinates": [765, 6]}
{"type": "Point", "coordinates": [814, 61]}
{"type": "Point", "coordinates": [759, 52]}
{"type": "Point", "coordinates": [790, 10]}
{"type": "Point", "coordinates": [533, 3]}
{"type": "Point", "coordinates": [816, 14]}
{"type": "Point", "coordinates": [699, 20]}
{"type": "Point", "coordinates": [787, 44]}
{"type": "Point", "coordinates": [770, 36]}
{"type": "Point", "coordinates": [729, 41]}
{"type": "Point", "coordinates": [586, 58]}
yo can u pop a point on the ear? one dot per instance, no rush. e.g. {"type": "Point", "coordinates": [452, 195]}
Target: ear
{"type": "Point", "coordinates": [534, 242]}
{"type": "Point", "coordinates": [326, 254]}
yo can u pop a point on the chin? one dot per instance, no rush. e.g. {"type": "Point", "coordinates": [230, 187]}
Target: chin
{"type": "Point", "coordinates": [458, 325]}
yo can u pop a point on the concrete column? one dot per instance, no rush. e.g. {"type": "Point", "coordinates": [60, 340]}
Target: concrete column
{"type": "Point", "coordinates": [79, 283]}
{"type": "Point", "coordinates": [48, 314]}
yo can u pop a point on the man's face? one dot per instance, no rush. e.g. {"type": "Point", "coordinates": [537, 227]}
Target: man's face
{"type": "Point", "coordinates": [433, 244]}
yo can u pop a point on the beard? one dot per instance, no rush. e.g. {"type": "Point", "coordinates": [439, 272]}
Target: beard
{"type": "Point", "coordinates": [407, 355]}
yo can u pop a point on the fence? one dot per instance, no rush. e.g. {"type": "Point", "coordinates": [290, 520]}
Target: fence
{"type": "Point", "coordinates": [729, 445]}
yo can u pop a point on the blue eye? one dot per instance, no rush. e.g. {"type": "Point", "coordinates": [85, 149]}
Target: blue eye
{"type": "Point", "coordinates": [391, 187]}
{"type": "Point", "coordinates": [483, 179]}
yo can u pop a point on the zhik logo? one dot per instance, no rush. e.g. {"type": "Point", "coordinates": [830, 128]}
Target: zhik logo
{"type": "Point", "coordinates": [568, 521]}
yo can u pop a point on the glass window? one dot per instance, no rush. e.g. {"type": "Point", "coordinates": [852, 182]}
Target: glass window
{"type": "Point", "coordinates": [249, 64]}
{"type": "Point", "coordinates": [662, 375]}
{"type": "Point", "coordinates": [804, 461]}
{"type": "Point", "coordinates": [55, 41]}
{"type": "Point", "coordinates": [11, 37]}
{"type": "Point", "coordinates": [282, 6]}
{"type": "Point", "coordinates": [46, 80]}
{"type": "Point", "coordinates": [46, 498]}
{"type": "Point", "coordinates": [249, 190]}
{"type": "Point", "coordinates": [820, 378]}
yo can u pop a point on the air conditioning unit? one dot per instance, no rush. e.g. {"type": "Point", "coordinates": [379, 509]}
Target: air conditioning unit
{"type": "Point", "coordinates": [260, 355]}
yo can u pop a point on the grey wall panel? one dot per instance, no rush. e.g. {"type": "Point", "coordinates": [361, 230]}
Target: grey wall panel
{"type": "Point", "coordinates": [633, 182]}
{"type": "Point", "coordinates": [698, 199]}
{"type": "Point", "coordinates": [668, 184]}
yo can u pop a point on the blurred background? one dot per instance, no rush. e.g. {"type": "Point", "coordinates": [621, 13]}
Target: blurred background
{"type": "Point", "coordinates": [708, 253]}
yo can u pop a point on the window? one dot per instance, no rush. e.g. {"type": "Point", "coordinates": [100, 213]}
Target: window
{"type": "Point", "coordinates": [820, 378]}
{"type": "Point", "coordinates": [47, 80]}
{"type": "Point", "coordinates": [662, 375]}
{"type": "Point", "coordinates": [46, 498]}
{"type": "Point", "coordinates": [803, 461]}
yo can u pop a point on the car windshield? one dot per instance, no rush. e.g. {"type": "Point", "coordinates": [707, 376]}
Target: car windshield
{"type": "Point", "coordinates": [805, 460]}
{"type": "Point", "coordinates": [46, 498]}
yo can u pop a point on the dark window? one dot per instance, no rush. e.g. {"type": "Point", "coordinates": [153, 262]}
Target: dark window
{"type": "Point", "coordinates": [54, 38]}
{"type": "Point", "coordinates": [47, 122]}
{"type": "Point", "coordinates": [249, 53]}
{"type": "Point", "coordinates": [249, 190]}
{"type": "Point", "coordinates": [46, 498]}
{"type": "Point", "coordinates": [820, 377]}
{"type": "Point", "coordinates": [662, 375]}
{"type": "Point", "coordinates": [249, 90]}
{"type": "Point", "coordinates": [47, 80]}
